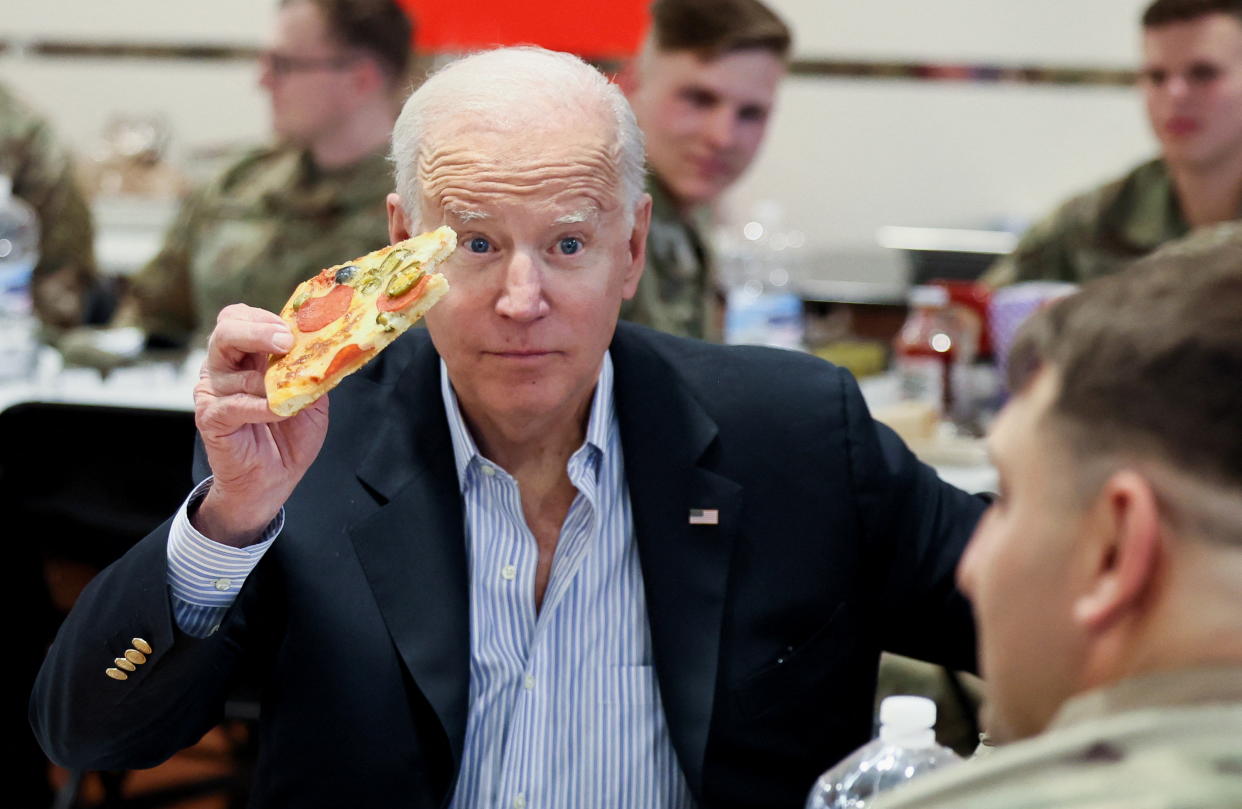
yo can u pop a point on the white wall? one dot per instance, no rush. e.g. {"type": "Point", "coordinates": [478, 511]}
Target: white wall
{"type": "Point", "coordinates": [847, 156]}
{"type": "Point", "coordinates": [218, 21]}
{"type": "Point", "coordinates": [207, 103]}
{"type": "Point", "coordinates": [1088, 32]}
{"type": "Point", "coordinates": [844, 156]}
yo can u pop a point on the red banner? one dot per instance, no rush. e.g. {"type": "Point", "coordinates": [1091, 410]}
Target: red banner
{"type": "Point", "coordinates": [602, 30]}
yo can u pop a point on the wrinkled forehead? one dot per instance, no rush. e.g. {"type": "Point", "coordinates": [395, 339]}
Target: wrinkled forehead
{"type": "Point", "coordinates": [479, 164]}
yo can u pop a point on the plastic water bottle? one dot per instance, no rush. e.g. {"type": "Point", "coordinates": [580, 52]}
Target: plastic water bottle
{"type": "Point", "coordinates": [905, 748]}
{"type": "Point", "coordinates": [19, 252]}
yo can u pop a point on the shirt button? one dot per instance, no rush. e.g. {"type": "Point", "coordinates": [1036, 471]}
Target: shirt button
{"type": "Point", "coordinates": [508, 572]}
{"type": "Point", "coordinates": [488, 470]}
{"type": "Point", "coordinates": [529, 682]}
{"type": "Point", "coordinates": [519, 801]}
{"type": "Point", "coordinates": [222, 584]}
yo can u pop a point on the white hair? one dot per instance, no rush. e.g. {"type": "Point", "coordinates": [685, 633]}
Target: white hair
{"type": "Point", "coordinates": [511, 86]}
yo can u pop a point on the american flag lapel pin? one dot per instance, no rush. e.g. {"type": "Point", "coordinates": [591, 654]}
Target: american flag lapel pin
{"type": "Point", "coordinates": [704, 516]}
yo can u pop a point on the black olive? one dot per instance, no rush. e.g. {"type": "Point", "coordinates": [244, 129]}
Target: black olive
{"type": "Point", "coordinates": [345, 273]}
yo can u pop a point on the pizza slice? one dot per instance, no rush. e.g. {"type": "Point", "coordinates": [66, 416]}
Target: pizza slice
{"type": "Point", "coordinates": [347, 314]}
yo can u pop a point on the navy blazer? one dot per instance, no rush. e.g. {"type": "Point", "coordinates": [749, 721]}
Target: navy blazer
{"type": "Point", "coordinates": [833, 543]}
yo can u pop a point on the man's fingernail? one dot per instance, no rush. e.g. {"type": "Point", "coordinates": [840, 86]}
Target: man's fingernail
{"type": "Point", "coordinates": [283, 341]}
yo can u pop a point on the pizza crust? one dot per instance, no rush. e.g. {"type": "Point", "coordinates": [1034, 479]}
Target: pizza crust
{"type": "Point", "coordinates": [298, 378]}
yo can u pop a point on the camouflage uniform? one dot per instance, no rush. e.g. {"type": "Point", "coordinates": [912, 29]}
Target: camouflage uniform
{"type": "Point", "coordinates": [1162, 741]}
{"type": "Point", "coordinates": [265, 224]}
{"type": "Point", "coordinates": [677, 293]}
{"type": "Point", "coordinates": [1099, 232]}
{"type": "Point", "coordinates": [43, 176]}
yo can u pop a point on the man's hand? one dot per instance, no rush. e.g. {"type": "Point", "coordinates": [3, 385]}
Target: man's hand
{"type": "Point", "coordinates": [256, 457]}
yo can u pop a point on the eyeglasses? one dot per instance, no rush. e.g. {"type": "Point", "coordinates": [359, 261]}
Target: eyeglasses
{"type": "Point", "coordinates": [282, 65]}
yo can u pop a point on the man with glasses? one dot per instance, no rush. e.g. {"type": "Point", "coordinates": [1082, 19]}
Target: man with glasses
{"type": "Point", "coordinates": [333, 73]}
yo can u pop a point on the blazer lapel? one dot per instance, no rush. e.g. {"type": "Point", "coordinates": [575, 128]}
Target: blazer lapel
{"type": "Point", "coordinates": [665, 434]}
{"type": "Point", "coordinates": [412, 548]}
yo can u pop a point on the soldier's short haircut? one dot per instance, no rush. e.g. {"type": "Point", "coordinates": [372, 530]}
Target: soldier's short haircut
{"type": "Point", "coordinates": [379, 27]}
{"type": "Point", "coordinates": [1149, 363]}
{"type": "Point", "coordinates": [1163, 12]}
{"type": "Point", "coordinates": [713, 28]}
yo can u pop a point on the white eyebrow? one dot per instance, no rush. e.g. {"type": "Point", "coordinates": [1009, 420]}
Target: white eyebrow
{"type": "Point", "coordinates": [468, 214]}
{"type": "Point", "coordinates": [578, 216]}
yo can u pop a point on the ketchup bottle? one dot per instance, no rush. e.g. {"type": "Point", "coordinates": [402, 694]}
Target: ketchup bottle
{"type": "Point", "coordinates": [926, 347]}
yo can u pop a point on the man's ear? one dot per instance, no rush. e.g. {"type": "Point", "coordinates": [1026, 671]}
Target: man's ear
{"type": "Point", "coordinates": [398, 223]}
{"type": "Point", "coordinates": [1124, 547]}
{"type": "Point", "coordinates": [628, 78]}
{"type": "Point", "coordinates": [637, 247]}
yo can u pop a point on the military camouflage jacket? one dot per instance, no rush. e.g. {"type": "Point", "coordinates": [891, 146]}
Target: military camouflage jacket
{"type": "Point", "coordinates": [677, 292]}
{"type": "Point", "coordinates": [251, 235]}
{"type": "Point", "coordinates": [1099, 232]}
{"type": "Point", "coordinates": [1163, 741]}
{"type": "Point", "coordinates": [42, 175]}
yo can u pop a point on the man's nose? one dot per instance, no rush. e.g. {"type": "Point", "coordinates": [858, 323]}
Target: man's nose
{"type": "Point", "coordinates": [966, 566]}
{"type": "Point", "coordinates": [1177, 87]}
{"type": "Point", "coordinates": [722, 127]}
{"type": "Point", "coordinates": [521, 297]}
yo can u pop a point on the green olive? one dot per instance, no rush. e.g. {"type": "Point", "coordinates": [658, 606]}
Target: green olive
{"type": "Point", "coordinates": [382, 319]}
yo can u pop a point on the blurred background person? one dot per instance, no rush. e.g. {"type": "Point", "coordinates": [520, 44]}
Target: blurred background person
{"type": "Point", "coordinates": [1191, 79]}
{"type": "Point", "coordinates": [1107, 579]}
{"type": "Point", "coordinates": [64, 281]}
{"type": "Point", "coordinates": [703, 88]}
{"type": "Point", "coordinates": [334, 74]}
{"type": "Point", "coordinates": [63, 289]}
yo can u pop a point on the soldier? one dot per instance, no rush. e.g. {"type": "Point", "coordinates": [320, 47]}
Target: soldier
{"type": "Point", "coordinates": [704, 86]}
{"type": "Point", "coordinates": [1107, 579]}
{"type": "Point", "coordinates": [42, 175]}
{"type": "Point", "coordinates": [283, 212]}
{"type": "Point", "coordinates": [1192, 83]}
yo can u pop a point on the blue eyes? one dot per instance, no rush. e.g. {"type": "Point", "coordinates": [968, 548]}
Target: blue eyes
{"type": "Point", "coordinates": [568, 246]}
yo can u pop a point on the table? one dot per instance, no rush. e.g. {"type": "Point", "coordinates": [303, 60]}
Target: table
{"type": "Point", "coordinates": [170, 386]}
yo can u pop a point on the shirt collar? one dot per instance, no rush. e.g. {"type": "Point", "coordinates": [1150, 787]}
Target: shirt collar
{"type": "Point", "coordinates": [466, 452]}
{"type": "Point", "coordinates": [1178, 687]}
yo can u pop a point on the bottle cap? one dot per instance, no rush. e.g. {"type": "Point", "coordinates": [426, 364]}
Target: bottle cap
{"type": "Point", "coordinates": [926, 295]}
{"type": "Point", "coordinates": [907, 712]}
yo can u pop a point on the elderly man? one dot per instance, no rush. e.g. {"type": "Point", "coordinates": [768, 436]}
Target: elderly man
{"type": "Point", "coordinates": [1107, 579]}
{"type": "Point", "coordinates": [535, 558]}
{"type": "Point", "coordinates": [1192, 83]}
{"type": "Point", "coordinates": [333, 75]}
{"type": "Point", "coordinates": [703, 89]}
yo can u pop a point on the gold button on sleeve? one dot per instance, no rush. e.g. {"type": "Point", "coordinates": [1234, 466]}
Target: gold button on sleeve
{"type": "Point", "coordinates": [122, 663]}
{"type": "Point", "coordinates": [117, 674]}
{"type": "Point", "coordinates": [141, 645]}
{"type": "Point", "coordinates": [135, 656]}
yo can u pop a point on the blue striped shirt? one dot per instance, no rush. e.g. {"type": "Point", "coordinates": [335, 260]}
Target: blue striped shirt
{"type": "Point", "coordinates": [564, 705]}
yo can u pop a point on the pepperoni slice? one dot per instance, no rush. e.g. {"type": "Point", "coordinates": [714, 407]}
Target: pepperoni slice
{"type": "Point", "coordinates": [386, 304]}
{"type": "Point", "coordinates": [344, 357]}
{"type": "Point", "coordinates": [319, 312]}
